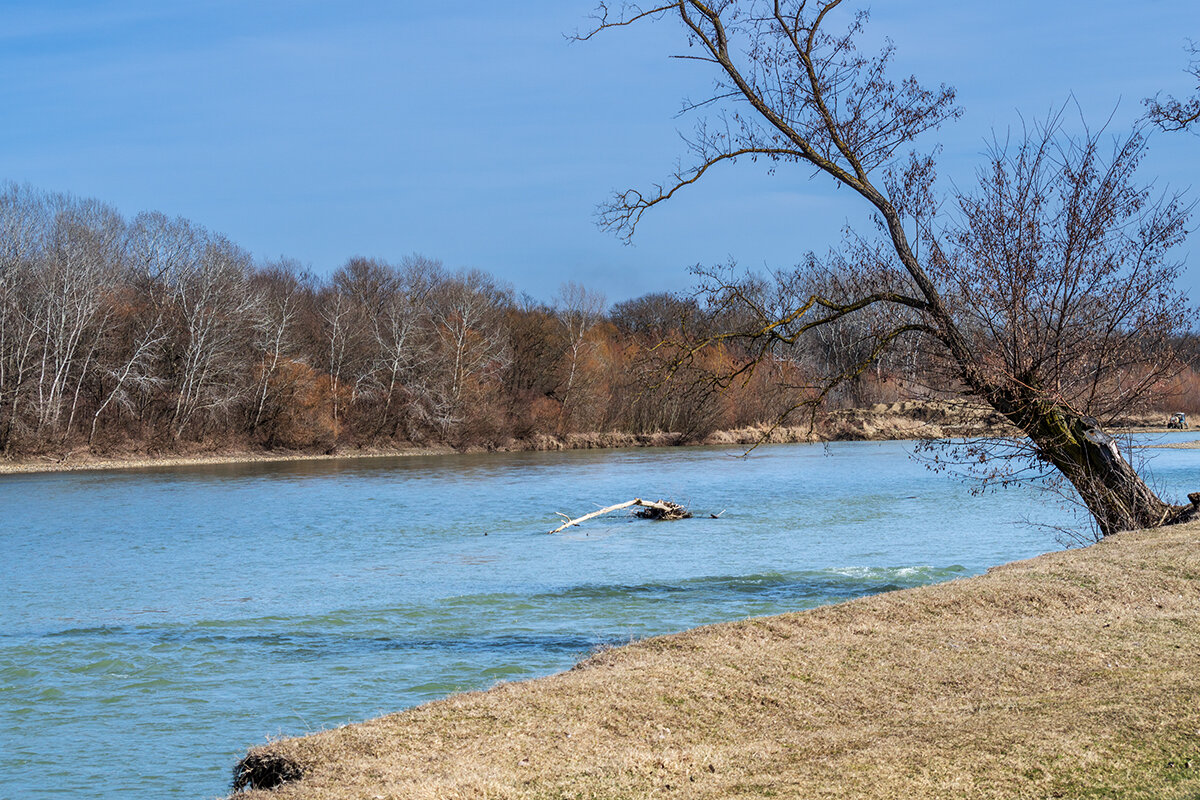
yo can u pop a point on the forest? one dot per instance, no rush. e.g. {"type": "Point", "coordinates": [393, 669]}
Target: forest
{"type": "Point", "coordinates": [154, 335]}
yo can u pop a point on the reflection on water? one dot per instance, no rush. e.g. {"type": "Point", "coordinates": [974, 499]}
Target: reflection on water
{"type": "Point", "coordinates": [157, 622]}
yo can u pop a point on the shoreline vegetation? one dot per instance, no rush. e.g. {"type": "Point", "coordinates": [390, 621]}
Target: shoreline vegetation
{"type": "Point", "coordinates": [881, 422]}
{"type": "Point", "coordinates": [149, 340]}
{"type": "Point", "coordinates": [1073, 674]}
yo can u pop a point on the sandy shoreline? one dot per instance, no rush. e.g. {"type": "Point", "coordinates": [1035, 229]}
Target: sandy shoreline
{"type": "Point", "coordinates": [152, 462]}
{"type": "Point", "coordinates": [1193, 445]}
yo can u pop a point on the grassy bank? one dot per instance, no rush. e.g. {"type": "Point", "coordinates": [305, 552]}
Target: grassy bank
{"type": "Point", "coordinates": [1075, 674]}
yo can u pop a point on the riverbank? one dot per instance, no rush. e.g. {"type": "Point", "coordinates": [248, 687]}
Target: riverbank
{"type": "Point", "coordinates": [913, 420]}
{"type": "Point", "coordinates": [86, 461]}
{"type": "Point", "coordinates": [1074, 674]}
{"type": "Point", "coordinates": [883, 422]}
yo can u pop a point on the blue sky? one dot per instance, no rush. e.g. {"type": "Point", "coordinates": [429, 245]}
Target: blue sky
{"type": "Point", "coordinates": [473, 132]}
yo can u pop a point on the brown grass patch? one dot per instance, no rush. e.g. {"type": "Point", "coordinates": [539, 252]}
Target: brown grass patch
{"type": "Point", "coordinates": [1075, 674]}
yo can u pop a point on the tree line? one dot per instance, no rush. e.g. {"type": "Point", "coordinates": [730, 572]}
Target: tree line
{"type": "Point", "coordinates": [154, 334]}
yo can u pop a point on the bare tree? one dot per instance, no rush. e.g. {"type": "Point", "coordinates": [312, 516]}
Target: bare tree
{"type": "Point", "coordinates": [136, 372]}
{"type": "Point", "coordinates": [468, 319]}
{"type": "Point", "coordinates": [340, 333]}
{"type": "Point", "coordinates": [843, 354]}
{"type": "Point", "coordinates": [80, 256]}
{"type": "Point", "coordinates": [1178, 115]}
{"type": "Point", "coordinates": [655, 315]}
{"type": "Point", "coordinates": [19, 325]}
{"type": "Point", "coordinates": [578, 310]}
{"type": "Point", "coordinates": [212, 301]}
{"type": "Point", "coordinates": [23, 222]}
{"type": "Point", "coordinates": [275, 320]}
{"type": "Point", "coordinates": [1037, 293]}
{"type": "Point", "coordinates": [392, 304]}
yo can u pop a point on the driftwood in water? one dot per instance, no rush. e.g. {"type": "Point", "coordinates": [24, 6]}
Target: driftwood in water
{"type": "Point", "coordinates": [661, 509]}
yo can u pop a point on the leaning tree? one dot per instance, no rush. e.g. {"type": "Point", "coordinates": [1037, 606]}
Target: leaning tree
{"type": "Point", "coordinates": [1046, 291]}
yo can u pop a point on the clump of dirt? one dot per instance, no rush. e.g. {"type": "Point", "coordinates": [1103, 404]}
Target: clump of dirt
{"type": "Point", "coordinates": [265, 770]}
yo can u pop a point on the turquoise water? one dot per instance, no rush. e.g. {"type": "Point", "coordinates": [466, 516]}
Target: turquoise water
{"type": "Point", "coordinates": [156, 623]}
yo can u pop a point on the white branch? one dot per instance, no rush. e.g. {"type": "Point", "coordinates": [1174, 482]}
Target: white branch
{"type": "Point", "coordinates": [669, 509]}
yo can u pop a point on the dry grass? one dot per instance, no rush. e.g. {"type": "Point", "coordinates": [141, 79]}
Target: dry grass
{"type": "Point", "coordinates": [1076, 675]}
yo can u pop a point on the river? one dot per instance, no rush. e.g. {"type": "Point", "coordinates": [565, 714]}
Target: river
{"type": "Point", "coordinates": [158, 622]}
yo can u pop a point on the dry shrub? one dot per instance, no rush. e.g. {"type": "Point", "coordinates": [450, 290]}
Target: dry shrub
{"type": "Point", "coordinates": [1181, 393]}
{"type": "Point", "coordinates": [299, 415]}
{"type": "Point", "coordinates": [483, 419]}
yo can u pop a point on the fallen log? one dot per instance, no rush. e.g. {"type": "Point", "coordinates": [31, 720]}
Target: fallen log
{"type": "Point", "coordinates": [660, 510]}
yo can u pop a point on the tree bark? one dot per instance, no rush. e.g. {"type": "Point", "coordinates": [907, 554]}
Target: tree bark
{"type": "Point", "coordinates": [1116, 496]}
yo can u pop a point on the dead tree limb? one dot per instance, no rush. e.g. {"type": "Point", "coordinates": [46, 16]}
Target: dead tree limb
{"type": "Point", "coordinates": [661, 510]}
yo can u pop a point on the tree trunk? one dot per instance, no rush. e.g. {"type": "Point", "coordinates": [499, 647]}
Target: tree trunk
{"type": "Point", "coordinates": [1117, 497]}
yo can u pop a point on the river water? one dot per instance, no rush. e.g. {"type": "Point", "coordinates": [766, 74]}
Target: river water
{"type": "Point", "coordinates": [156, 623]}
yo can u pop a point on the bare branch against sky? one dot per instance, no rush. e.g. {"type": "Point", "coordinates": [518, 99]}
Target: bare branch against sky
{"type": "Point", "coordinates": [477, 133]}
